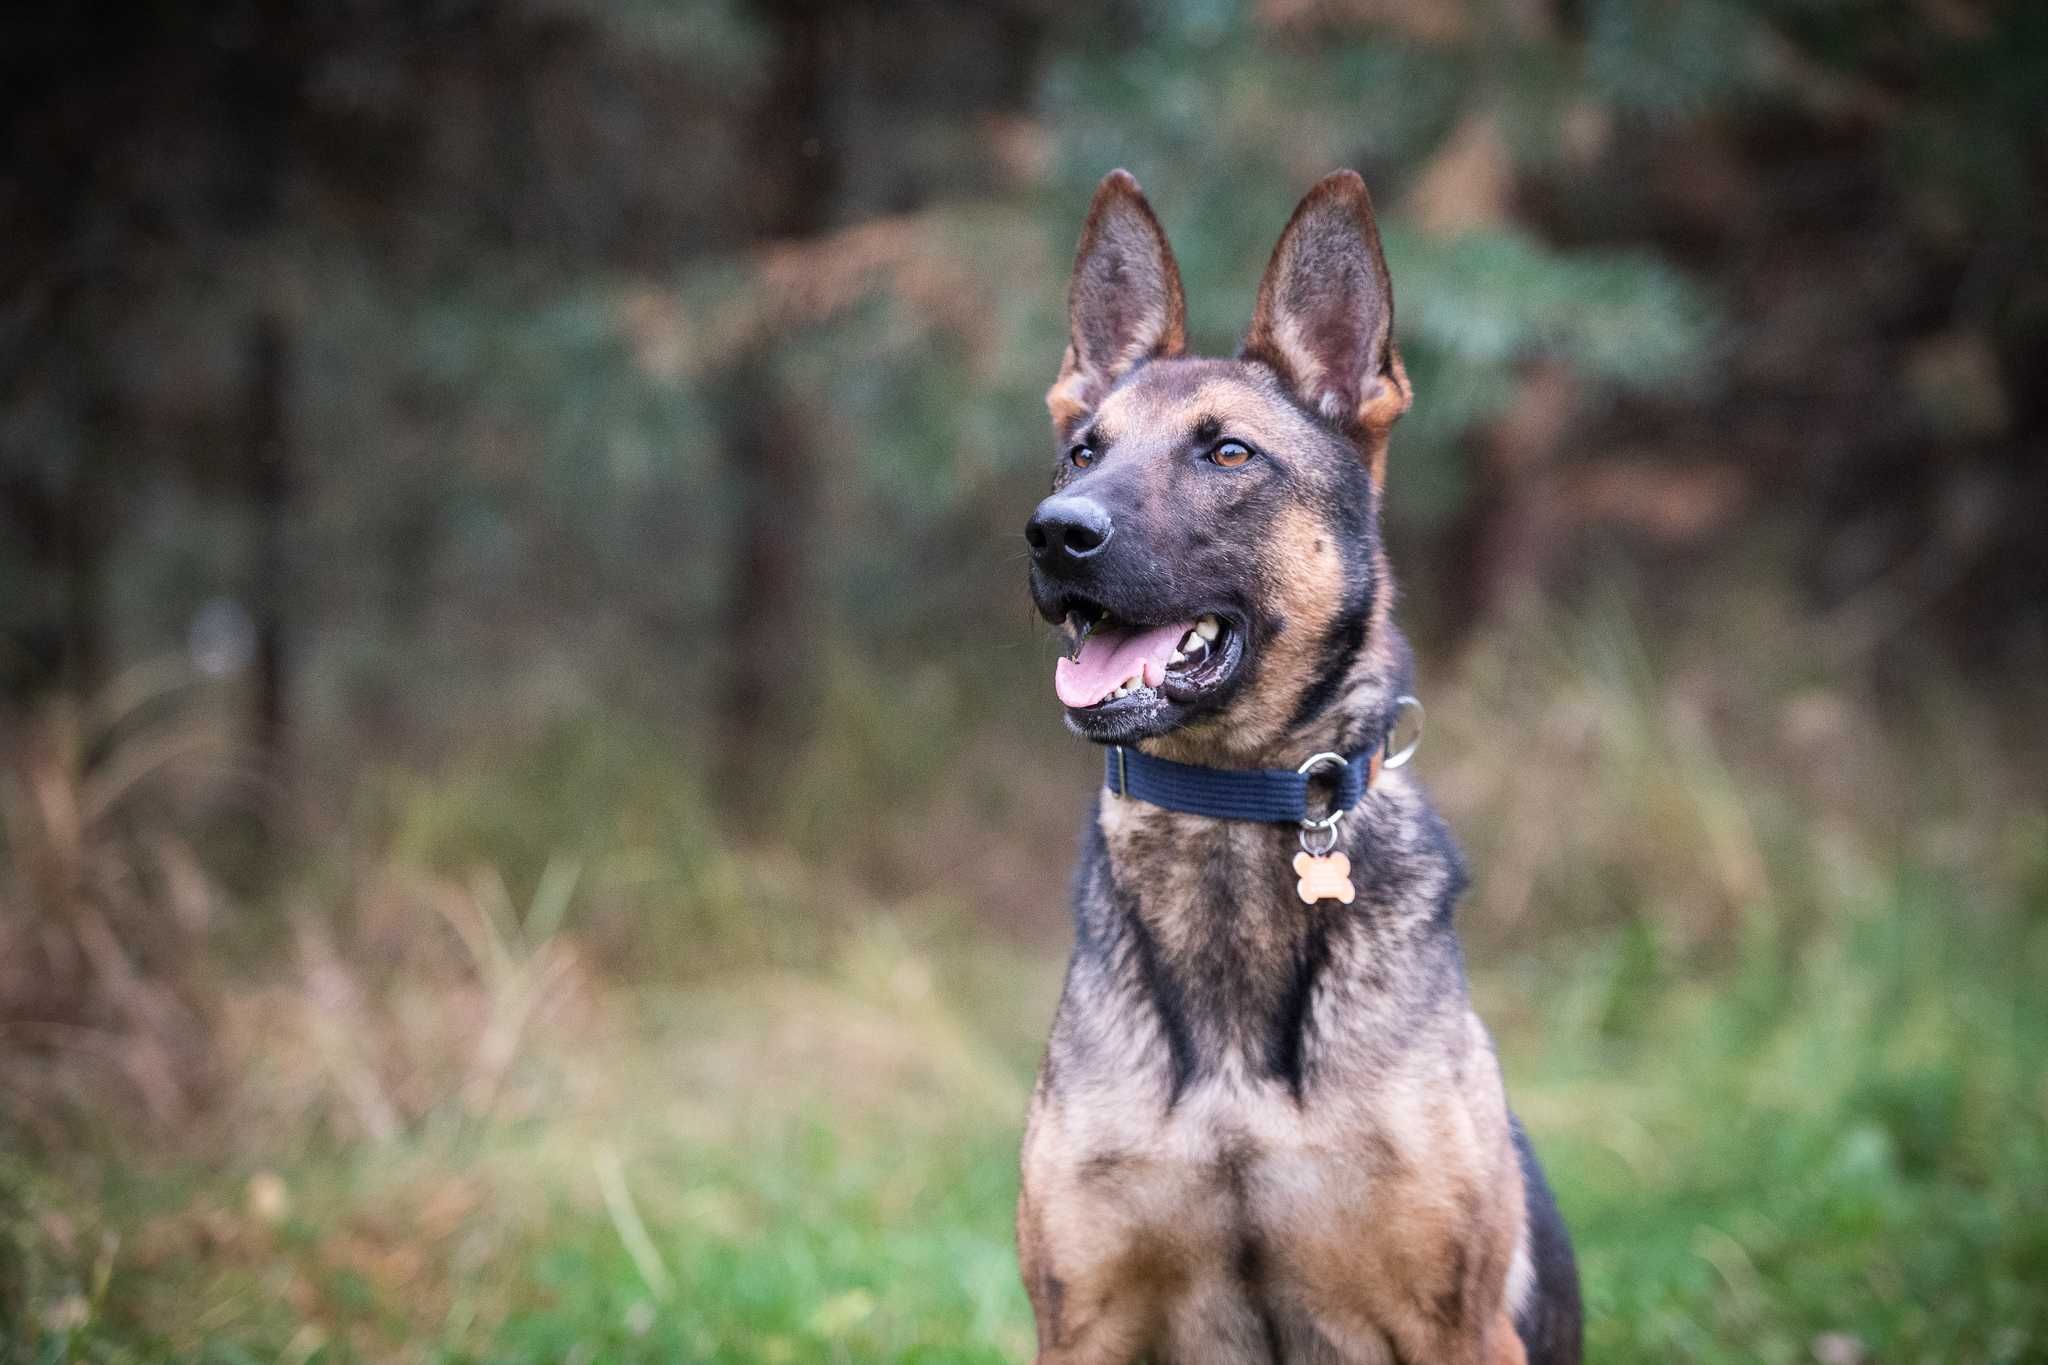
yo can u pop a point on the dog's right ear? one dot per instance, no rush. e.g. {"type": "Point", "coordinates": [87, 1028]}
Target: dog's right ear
{"type": "Point", "coordinates": [1125, 303]}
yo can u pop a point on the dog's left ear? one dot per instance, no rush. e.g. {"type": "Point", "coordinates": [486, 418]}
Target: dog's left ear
{"type": "Point", "coordinates": [1124, 305]}
{"type": "Point", "coordinates": [1325, 316]}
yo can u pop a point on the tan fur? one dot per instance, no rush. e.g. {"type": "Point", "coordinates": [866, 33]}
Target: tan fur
{"type": "Point", "coordinates": [1300, 557]}
{"type": "Point", "coordinates": [1393, 1194]}
{"type": "Point", "coordinates": [1242, 406]}
{"type": "Point", "coordinates": [1375, 1214]}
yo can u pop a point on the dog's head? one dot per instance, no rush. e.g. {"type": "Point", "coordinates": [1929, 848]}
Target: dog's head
{"type": "Point", "coordinates": [1211, 544]}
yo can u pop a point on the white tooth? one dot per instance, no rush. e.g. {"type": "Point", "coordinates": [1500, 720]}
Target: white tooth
{"type": "Point", "coordinates": [1208, 628]}
{"type": "Point", "coordinates": [1193, 642]}
{"type": "Point", "coordinates": [1121, 692]}
{"type": "Point", "coordinates": [1176, 657]}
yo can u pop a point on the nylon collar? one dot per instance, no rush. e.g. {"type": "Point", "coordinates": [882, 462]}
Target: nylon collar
{"type": "Point", "coordinates": [1278, 796]}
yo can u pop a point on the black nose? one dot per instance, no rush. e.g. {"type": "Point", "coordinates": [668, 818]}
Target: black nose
{"type": "Point", "coordinates": [1069, 528]}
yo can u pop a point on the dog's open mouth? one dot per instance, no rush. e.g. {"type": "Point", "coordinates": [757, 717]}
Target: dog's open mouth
{"type": "Point", "coordinates": [1114, 662]}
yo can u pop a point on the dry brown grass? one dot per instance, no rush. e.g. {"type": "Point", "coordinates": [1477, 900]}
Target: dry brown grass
{"type": "Point", "coordinates": [105, 905]}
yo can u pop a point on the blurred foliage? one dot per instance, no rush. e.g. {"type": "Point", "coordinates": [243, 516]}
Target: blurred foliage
{"type": "Point", "coordinates": [537, 265]}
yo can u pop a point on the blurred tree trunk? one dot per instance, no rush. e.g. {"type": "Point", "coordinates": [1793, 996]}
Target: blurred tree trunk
{"type": "Point", "coordinates": [774, 463]}
{"type": "Point", "coordinates": [267, 483]}
{"type": "Point", "coordinates": [84, 540]}
{"type": "Point", "coordinates": [266, 76]}
{"type": "Point", "coordinates": [1511, 531]}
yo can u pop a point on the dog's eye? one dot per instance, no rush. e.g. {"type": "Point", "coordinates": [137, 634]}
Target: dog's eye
{"type": "Point", "coordinates": [1231, 454]}
{"type": "Point", "coordinates": [1082, 456]}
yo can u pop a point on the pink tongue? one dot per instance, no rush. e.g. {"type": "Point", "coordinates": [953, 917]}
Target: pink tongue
{"type": "Point", "coordinates": [1111, 655]}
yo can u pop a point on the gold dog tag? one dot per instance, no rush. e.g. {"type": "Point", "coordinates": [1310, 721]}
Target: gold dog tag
{"type": "Point", "coordinates": [1325, 878]}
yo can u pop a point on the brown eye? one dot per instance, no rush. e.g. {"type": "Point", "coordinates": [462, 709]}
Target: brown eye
{"type": "Point", "coordinates": [1231, 454]}
{"type": "Point", "coordinates": [1082, 456]}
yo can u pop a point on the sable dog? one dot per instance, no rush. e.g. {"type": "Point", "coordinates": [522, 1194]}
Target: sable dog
{"type": "Point", "coordinates": [1268, 1126]}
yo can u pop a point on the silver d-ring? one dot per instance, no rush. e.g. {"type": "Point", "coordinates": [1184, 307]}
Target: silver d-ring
{"type": "Point", "coordinates": [1397, 760]}
{"type": "Point", "coordinates": [1310, 767]}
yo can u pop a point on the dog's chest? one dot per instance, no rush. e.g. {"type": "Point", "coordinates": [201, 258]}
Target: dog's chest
{"type": "Point", "coordinates": [1234, 1165]}
{"type": "Point", "coordinates": [1228, 1195]}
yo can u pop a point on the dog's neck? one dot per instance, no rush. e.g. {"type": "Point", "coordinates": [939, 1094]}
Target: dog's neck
{"type": "Point", "coordinates": [1199, 921]}
{"type": "Point", "coordinates": [1212, 905]}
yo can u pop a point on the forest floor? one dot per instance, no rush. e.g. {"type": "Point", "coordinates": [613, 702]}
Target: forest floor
{"type": "Point", "coordinates": [1802, 1118]}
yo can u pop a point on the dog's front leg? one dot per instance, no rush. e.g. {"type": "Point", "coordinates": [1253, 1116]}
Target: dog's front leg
{"type": "Point", "coordinates": [1090, 1296]}
{"type": "Point", "coordinates": [1496, 1343]}
{"type": "Point", "coordinates": [1116, 1336]}
{"type": "Point", "coordinates": [1083, 1321]}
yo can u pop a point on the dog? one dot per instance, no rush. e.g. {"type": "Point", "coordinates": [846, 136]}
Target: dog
{"type": "Point", "coordinates": [1268, 1126]}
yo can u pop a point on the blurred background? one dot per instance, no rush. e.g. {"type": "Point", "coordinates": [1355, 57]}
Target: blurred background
{"type": "Point", "coordinates": [533, 821]}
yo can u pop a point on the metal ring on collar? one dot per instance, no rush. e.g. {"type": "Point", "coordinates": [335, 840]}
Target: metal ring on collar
{"type": "Point", "coordinates": [1308, 847]}
{"type": "Point", "coordinates": [1396, 760]}
{"type": "Point", "coordinates": [1320, 763]}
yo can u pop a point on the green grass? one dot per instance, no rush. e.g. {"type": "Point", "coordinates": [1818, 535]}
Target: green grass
{"type": "Point", "coordinates": [1861, 1147]}
{"type": "Point", "coordinates": [1854, 1141]}
{"type": "Point", "coordinates": [858, 1249]}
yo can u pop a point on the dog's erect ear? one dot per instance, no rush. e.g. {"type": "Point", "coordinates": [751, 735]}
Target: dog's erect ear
{"type": "Point", "coordinates": [1124, 304]}
{"type": "Point", "coordinates": [1325, 315]}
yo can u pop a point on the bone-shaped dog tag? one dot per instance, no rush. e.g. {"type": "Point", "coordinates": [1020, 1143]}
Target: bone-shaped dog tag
{"type": "Point", "coordinates": [1325, 878]}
